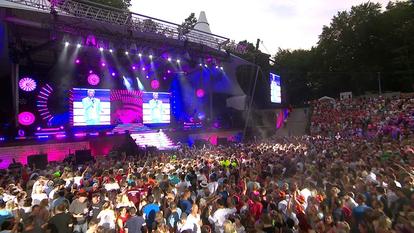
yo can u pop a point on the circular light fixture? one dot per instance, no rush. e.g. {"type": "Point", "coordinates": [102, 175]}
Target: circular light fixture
{"type": "Point", "coordinates": [155, 84]}
{"type": "Point", "coordinates": [27, 84]}
{"type": "Point", "coordinates": [200, 93]}
{"type": "Point", "coordinates": [26, 118]}
{"type": "Point", "coordinates": [93, 79]}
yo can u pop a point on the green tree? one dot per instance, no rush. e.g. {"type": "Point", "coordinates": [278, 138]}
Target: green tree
{"type": "Point", "coordinates": [356, 48]}
{"type": "Point", "coordinates": [188, 24]}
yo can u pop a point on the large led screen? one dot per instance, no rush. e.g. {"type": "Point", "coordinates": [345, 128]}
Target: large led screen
{"type": "Point", "coordinates": [156, 107]}
{"type": "Point", "coordinates": [275, 89]}
{"type": "Point", "coordinates": [91, 107]}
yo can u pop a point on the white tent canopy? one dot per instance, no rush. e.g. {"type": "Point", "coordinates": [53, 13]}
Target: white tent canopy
{"type": "Point", "coordinates": [327, 98]}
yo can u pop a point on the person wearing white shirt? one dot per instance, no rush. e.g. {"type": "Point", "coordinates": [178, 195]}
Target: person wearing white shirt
{"type": "Point", "coordinates": [38, 195]}
{"type": "Point", "coordinates": [193, 222]}
{"type": "Point", "coordinates": [107, 217]}
{"type": "Point", "coordinates": [220, 216]}
{"type": "Point", "coordinates": [212, 186]}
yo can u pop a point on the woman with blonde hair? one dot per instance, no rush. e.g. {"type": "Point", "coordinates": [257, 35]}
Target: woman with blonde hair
{"type": "Point", "coordinates": [121, 219]}
{"type": "Point", "coordinates": [122, 200]}
{"type": "Point", "coordinates": [229, 227]}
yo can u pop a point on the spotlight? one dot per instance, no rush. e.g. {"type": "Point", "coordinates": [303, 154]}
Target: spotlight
{"type": "Point", "coordinates": [77, 61]}
{"type": "Point", "coordinates": [168, 71]}
{"type": "Point", "coordinates": [200, 64]}
{"type": "Point", "coordinates": [205, 65]}
{"type": "Point", "coordinates": [113, 74]}
{"type": "Point", "coordinates": [217, 67]}
{"type": "Point", "coordinates": [110, 50]}
{"type": "Point", "coordinates": [126, 53]}
{"type": "Point", "coordinates": [103, 64]}
{"type": "Point", "coordinates": [221, 68]}
{"type": "Point", "coordinates": [150, 56]}
{"type": "Point", "coordinates": [139, 55]}
{"type": "Point", "coordinates": [90, 71]}
{"type": "Point", "coordinates": [143, 68]}
{"type": "Point", "coordinates": [147, 76]}
{"type": "Point", "coordinates": [66, 44]}
{"type": "Point", "coordinates": [78, 45]}
{"type": "Point", "coordinates": [134, 68]}
{"type": "Point", "coordinates": [169, 59]}
{"type": "Point", "coordinates": [178, 60]}
{"type": "Point", "coordinates": [101, 49]}
{"type": "Point", "coordinates": [165, 78]}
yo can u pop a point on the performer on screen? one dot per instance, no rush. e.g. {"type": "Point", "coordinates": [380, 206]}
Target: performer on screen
{"type": "Point", "coordinates": [92, 107]}
{"type": "Point", "coordinates": [156, 108]}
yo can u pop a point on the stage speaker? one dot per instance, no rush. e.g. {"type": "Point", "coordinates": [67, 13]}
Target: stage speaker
{"type": "Point", "coordinates": [83, 156]}
{"type": "Point", "coordinates": [39, 161]}
{"type": "Point", "coordinates": [222, 142]}
{"type": "Point", "coordinates": [200, 142]}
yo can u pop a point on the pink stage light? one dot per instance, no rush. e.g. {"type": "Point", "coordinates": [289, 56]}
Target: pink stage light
{"type": "Point", "coordinates": [27, 84]}
{"type": "Point", "coordinates": [134, 67]}
{"type": "Point", "coordinates": [113, 74]}
{"type": "Point", "coordinates": [103, 64]}
{"type": "Point", "coordinates": [155, 84]}
{"type": "Point", "coordinates": [26, 118]}
{"type": "Point", "coordinates": [200, 93]}
{"type": "Point", "coordinates": [93, 79]}
{"type": "Point", "coordinates": [77, 61]}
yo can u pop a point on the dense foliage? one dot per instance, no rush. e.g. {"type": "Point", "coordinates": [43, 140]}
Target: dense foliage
{"type": "Point", "coordinates": [358, 48]}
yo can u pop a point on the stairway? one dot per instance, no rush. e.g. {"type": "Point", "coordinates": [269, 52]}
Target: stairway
{"type": "Point", "coordinates": [295, 125]}
{"type": "Point", "coordinates": [154, 138]}
{"type": "Point", "coordinates": [131, 127]}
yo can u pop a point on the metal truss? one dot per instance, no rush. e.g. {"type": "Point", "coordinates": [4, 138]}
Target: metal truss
{"type": "Point", "coordinates": [133, 21]}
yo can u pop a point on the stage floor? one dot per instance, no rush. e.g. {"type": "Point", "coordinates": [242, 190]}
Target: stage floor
{"type": "Point", "coordinates": [102, 144]}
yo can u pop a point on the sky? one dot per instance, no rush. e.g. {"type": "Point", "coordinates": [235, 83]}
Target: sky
{"type": "Point", "coordinates": [286, 24]}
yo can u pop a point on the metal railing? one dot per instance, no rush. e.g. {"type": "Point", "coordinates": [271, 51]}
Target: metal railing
{"type": "Point", "coordinates": [135, 22]}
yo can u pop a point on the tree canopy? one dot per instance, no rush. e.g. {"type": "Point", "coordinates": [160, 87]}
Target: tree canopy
{"type": "Point", "coordinates": [358, 48]}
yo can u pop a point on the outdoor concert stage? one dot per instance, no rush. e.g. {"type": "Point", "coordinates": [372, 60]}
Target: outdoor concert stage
{"type": "Point", "coordinates": [82, 74]}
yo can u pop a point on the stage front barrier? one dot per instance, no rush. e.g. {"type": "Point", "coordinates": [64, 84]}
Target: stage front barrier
{"type": "Point", "coordinates": [54, 152]}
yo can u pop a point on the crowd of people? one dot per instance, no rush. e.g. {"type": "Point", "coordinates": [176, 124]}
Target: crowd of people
{"type": "Point", "coordinates": [336, 181]}
{"type": "Point", "coordinates": [370, 117]}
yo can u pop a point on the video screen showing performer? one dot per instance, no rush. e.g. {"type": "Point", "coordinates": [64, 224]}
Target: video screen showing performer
{"type": "Point", "coordinates": [91, 107]}
{"type": "Point", "coordinates": [156, 107]}
{"type": "Point", "coordinates": [275, 89]}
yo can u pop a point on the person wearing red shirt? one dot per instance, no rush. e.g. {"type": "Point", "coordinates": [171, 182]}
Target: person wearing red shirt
{"type": "Point", "coordinates": [121, 219]}
{"type": "Point", "coordinates": [255, 207]}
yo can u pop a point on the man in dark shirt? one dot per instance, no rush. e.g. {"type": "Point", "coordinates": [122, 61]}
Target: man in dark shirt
{"type": "Point", "coordinates": [95, 207]}
{"type": "Point", "coordinates": [79, 209]}
{"type": "Point", "coordinates": [62, 222]}
{"type": "Point", "coordinates": [134, 223]}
